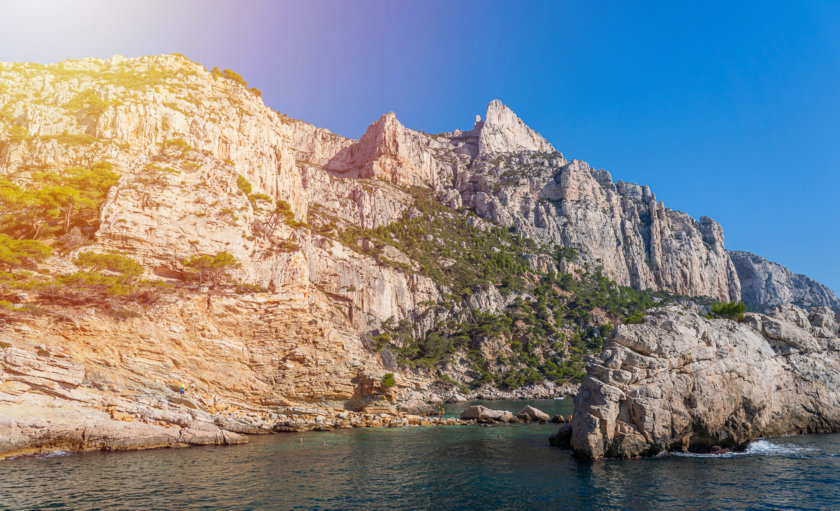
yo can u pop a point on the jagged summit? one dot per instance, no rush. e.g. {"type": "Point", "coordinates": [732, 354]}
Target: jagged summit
{"type": "Point", "coordinates": [502, 131]}
{"type": "Point", "coordinates": [379, 139]}
{"type": "Point", "coordinates": [390, 151]}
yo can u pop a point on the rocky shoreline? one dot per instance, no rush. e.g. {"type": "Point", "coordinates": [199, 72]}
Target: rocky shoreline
{"type": "Point", "coordinates": [28, 436]}
{"type": "Point", "coordinates": [49, 402]}
{"type": "Point", "coordinates": [98, 384]}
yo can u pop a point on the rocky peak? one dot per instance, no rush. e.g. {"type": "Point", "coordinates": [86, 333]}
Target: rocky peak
{"type": "Point", "coordinates": [502, 131]}
{"type": "Point", "coordinates": [383, 137]}
{"type": "Point", "coordinates": [391, 152]}
{"type": "Point", "coordinates": [380, 139]}
{"type": "Point", "coordinates": [712, 231]}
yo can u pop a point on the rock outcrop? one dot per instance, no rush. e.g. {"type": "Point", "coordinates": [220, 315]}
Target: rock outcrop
{"type": "Point", "coordinates": [484, 414]}
{"type": "Point", "coordinates": [765, 284]}
{"type": "Point", "coordinates": [529, 413]}
{"type": "Point", "coordinates": [680, 382]}
{"type": "Point", "coordinates": [391, 152]}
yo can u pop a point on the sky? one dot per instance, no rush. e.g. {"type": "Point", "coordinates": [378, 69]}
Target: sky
{"type": "Point", "coordinates": [725, 109]}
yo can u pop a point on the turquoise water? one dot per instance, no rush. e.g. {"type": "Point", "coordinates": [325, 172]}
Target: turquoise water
{"type": "Point", "coordinates": [452, 467]}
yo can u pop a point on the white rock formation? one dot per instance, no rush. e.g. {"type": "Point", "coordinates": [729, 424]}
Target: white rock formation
{"type": "Point", "coordinates": [504, 132]}
{"type": "Point", "coordinates": [680, 382]}
{"type": "Point", "coordinates": [181, 137]}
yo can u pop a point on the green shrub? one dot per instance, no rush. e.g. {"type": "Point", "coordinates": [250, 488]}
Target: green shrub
{"type": "Point", "coordinates": [287, 246]}
{"type": "Point", "coordinates": [73, 196]}
{"type": "Point", "coordinates": [113, 261]}
{"type": "Point", "coordinates": [94, 281]}
{"type": "Point", "coordinates": [635, 319]}
{"type": "Point", "coordinates": [21, 253]}
{"type": "Point", "coordinates": [245, 288]}
{"type": "Point", "coordinates": [176, 147]}
{"type": "Point", "coordinates": [89, 103]}
{"type": "Point", "coordinates": [732, 310]}
{"type": "Point", "coordinates": [388, 380]}
{"type": "Point", "coordinates": [233, 75]}
{"type": "Point", "coordinates": [243, 185]}
{"type": "Point", "coordinates": [65, 138]}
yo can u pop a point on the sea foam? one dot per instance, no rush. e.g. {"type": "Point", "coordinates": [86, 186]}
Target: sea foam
{"type": "Point", "coordinates": [758, 448]}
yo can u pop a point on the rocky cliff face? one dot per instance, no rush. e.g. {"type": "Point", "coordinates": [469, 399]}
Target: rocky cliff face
{"type": "Point", "coordinates": [502, 169]}
{"type": "Point", "coordinates": [680, 382]}
{"type": "Point", "coordinates": [618, 227]}
{"type": "Point", "coordinates": [428, 256]}
{"type": "Point", "coordinates": [765, 284]}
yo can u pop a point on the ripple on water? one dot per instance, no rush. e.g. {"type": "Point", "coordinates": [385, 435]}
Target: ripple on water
{"type": "Point", "coordinates": [506, 466]}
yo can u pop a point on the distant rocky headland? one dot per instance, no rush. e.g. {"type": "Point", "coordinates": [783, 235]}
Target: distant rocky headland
{"type": "Point", "coordinates": [162, 227]}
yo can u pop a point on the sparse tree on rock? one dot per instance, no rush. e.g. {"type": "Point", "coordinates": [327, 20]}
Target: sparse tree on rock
{"type": "Point", "coordinates": [214, 269]}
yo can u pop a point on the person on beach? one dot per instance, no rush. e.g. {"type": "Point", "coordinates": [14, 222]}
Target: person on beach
{"type": "Point", "coordinates": [183, 389]}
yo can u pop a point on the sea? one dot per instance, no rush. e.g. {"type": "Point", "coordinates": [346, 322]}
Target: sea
{"type": "Point", "coordinates": [436, 467]}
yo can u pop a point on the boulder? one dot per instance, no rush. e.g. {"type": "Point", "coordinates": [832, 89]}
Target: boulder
{"type": "Point", "coordinates": [507, 417]}
{"type": "Point", "coordinates": [529, 413]}
{"type": "Point", "coordinates": [416, 407]}
{"type": "Point", "coordinates": [563, 436]}
{"type": "Point", "coordinates": [478, 412]}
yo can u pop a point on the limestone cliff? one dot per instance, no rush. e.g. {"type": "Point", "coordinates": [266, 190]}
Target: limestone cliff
{"type": "Point", "coordinates": [765, 284]}
{"type": "Point", "coordinates": [619, 227]}
{"type": "Point", "coordinates": [468, 261]}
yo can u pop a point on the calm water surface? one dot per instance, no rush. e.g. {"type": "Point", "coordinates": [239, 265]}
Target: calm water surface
{"type": "Point", "coordinates": [453, 467]}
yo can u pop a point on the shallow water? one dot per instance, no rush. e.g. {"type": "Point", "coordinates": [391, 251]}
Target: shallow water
{"type": "Point", "coordinates": [452, 467]}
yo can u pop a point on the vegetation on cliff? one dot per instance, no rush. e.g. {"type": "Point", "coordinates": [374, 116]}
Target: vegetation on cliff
{"type": "Point", "coordinates": [551, 320]}
{"type": "Point", "coordinates": [214, 269]}
{"type": "Point", "coordinates": [39, 204]}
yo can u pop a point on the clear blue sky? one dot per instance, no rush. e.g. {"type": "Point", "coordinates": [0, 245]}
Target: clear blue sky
{"type": "Point", "coordinates": [726, 109]}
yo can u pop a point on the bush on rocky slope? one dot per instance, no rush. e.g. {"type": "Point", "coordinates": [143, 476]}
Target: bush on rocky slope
{"type": "Point", "coordinates": [733, 310]}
